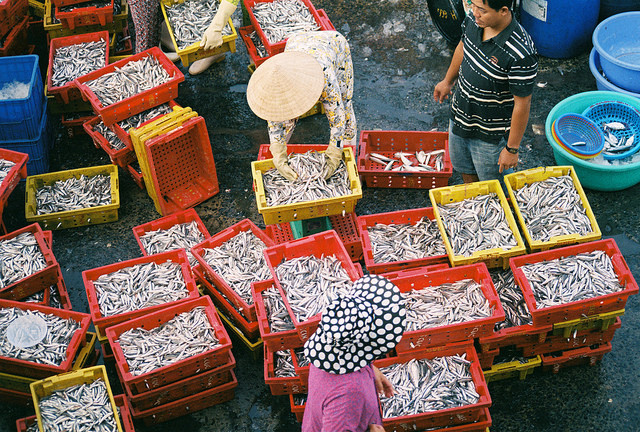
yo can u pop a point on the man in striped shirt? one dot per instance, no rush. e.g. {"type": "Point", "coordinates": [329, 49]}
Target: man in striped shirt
{"type": "Point", "coordinates": [495, 65]}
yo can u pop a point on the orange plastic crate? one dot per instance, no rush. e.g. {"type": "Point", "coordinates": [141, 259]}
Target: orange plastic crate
{"type": "Point", "coordinates": [387, 143]}
{"type": "Point", "coordinates": [12, 12]}
{"type": "Point", "coordinates": [517, 335]}
{"type": "Point", "coordinates": [16, 41]}
{"type": "Point", "coordinates": [85, 16]}
{"type": "Point", "coordinates": [415, 271]}
{"type": "Point", "coordinates": [280, 385]}
{"type": "Point", "coordinates": [575, 357]}
{"type": "Point", "coordinates": [122, 157]}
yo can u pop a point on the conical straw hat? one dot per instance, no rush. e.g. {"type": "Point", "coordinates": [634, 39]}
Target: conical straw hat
{"type": "Point", "coordinates": [285, 86]}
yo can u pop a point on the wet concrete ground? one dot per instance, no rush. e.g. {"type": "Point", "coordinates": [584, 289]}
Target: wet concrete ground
{"type": "Point", "coordinates": [398, 58]}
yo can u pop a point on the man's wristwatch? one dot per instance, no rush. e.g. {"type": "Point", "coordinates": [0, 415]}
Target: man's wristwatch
{"type": "Point", "coordinates": [511, 150]}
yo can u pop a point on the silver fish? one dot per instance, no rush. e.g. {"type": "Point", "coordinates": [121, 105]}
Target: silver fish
{"type": "Point", "coordinates": [283, 364]}
{"type": "Point", "coordinates": [54, 297]}
{"type": "Point", "coordinates": [400, 242]}
{"type": "Point", "coordinates": [5, 167]}
{"type": "Point", "coordinates": [136, 120]}
{"type": "Point", "coordinates": [512, 300]}
{"type": "Point", "coordinates": [73, 194]}
{"type": "Point", "coordinates": [20, 257]}
{"type": "Point", "coordinates": [114, 141]}
{"type": "Point", "coordinates": [257, 42]}
{"type": "Point", "coordinates": [277, 314]}
{"type": "Point", "coordinates": [190, 19]}
{"type": "Point", "coordinates": [72, 61]}
{"type": "Point", "coordinates": [279, 19]}
{"type": "Point", "coordinates": [179, 236]}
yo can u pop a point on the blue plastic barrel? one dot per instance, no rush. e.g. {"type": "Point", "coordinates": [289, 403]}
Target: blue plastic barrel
{"type": "Point", "coordinates": [560, 28]}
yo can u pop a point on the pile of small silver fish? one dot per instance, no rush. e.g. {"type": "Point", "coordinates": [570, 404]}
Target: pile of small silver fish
{"type": "Point", "coordinates": [99, 4]}
{"type": "Point", "coordinates": [5, 167]}
{"type": "Point", "coordinates": [52, 350]}
{"type": "Point", "coordinates": [240, 262]}
{"type": "Point", "coordinates": [54, 297]}
{"type": "Point", "coordinates": [428, 385]}
{"type": "Point", "coordinates": [257, 42]}
{"type": "Point", "coordinates": [139, 286]}
{"type": "Point", "coordinates": [190, 19]}
{"type": "Point", "coordinates": [129, 80]}
{"type": "Point", "coordinates": [310, 185]}
{"type": "Point", "coordinates": [400, 242]}
{"type": "Point", "coordinates": [512, 300]}
{"type": "Point", "coordinates": [311, 284]}
{"type": "Point", "coordinates": [280, 18]}
{"type": "Point", "coordinates": [414, 162]}
{"type": "Point", "coordinates": [74, 193]}
{"type": "Point", "coordinates": [114, 141]}
{"type": "Point", "coordinates": [186, 335]}
{"type": "Point", "coordinates": [136, 120]}
{"type": "Point", "coordinates": [477, 224]}
{"type": "Point", "coordinates": [283, 364]}
{"type": "Point", "coordinates": [300, 357]}
{"type": "Point", "coordinates": [20, 257]}
{"type": "Point", "coordinates": [552, 207]}
{"type": "Point", "coordinates": [72, 61]}
{"type": "Point", "coordinates": [617, 138]}
{"type": "Point", "coordinates": [179, 236]}
{"type": "Point", "coordinates": [277, 314]}
{"type": "Point", "coordinates": [573, 278]}
{"type": "Point", "coordinates": [449, 303]}
{"type": "Point", "coordinates": [79, 408]}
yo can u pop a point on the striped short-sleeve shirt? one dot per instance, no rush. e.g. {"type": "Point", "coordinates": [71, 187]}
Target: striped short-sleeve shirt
{"type": "Point", "coordinates": [491, 73]}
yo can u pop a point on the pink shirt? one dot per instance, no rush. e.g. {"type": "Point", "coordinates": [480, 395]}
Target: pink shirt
{"type": "Point", "coordinates": [338, 403]}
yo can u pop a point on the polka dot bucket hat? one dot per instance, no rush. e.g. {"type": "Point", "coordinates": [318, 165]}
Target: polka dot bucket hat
{"type": "Point", "coordinates": [357, 328]}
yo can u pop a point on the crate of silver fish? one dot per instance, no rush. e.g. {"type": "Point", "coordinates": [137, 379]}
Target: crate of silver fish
{"type": "Point", "coordinates": [279, 373]}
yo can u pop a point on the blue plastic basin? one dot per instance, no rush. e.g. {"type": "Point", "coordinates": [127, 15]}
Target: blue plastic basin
{"type": "Point", "coordinates": [592, 175]}
{"type": "Point", "coordinates": [617, 40]}
{"type": "Point", "coordinates": [601, 82]}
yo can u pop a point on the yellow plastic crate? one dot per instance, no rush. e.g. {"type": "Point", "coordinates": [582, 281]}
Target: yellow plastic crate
{"type": "Point", "coordinates": [519, 179]}
{"type": "Point", "coordinates": [592, 322]}
{"type": "Point", "coordinates": [58, 30]}
{"type": "Point", "coordinates": [36, 8]}
{"type": "Point", "coordinates": [45, 387]}
{"type": "Point", "coordinates": [194, 52]}
{"type": "Point", "coordinates": [255, 348]}
{"type": "Point", "coordinates": [496, 257]}
{"type": "Point", "coordinates": [309, 209]}
{"type": "Point", "coordinates": [72, 218]}
{"type": "Point", "coordinates": [512, 369]}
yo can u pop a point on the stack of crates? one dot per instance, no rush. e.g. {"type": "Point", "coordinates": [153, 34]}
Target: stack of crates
{"type": "Point", "coordinates": [24, 123]}
{"type": "Point", "coordinates": [14, 23]}
{"type": "Point", "coordinates": [12, 176]}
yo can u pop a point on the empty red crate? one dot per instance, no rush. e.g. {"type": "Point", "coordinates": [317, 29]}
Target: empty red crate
{"type": "Point", "coordinates": [319, 245]}
{"type": "Point", "coordinates": [184, 388]}
{"type": "Point", "coordinates": [101, 322]}
{"type": "Point", "coordinates": [198, 251]}
{"type": "Point", "coordinates": [12, 12]}
{"type": "Point", "coordinates": [124, 134]}
{"type": "Point", "coordinates": [575, 357]}
{"type": "Point", "coordinates": [15, 42]}
{"type": "Point", "coordinates": [122, 157]}
{"type": "Point", "coordinates": [464, 331]}
{"type": "Point", "coordinates": [397, 217]}
{"type": "Point", "coordinates": [135, 104]}
{"type": "Point", "coordinates": [275, 341]}
{"type": "Point", "coordinates": [165, 223]}
{"type": "Point", "coordinates": [582, 308]}
{"type": "Point", "coordinates": [38, 370]}
{"type": "Point", "coordinates": [251, 47]}
{"type": "Point", "coordinates": [183, 171]}
{"type": "Point", "coordinates": [387, 143]}
{"type": "Point", "coordinates": [449, 416]}
{"type": "Point", "coordinates": [85, 16]}
{"type": "Point", "coordinates": [249, 328]}
{"type": "Point", "coordinates": [69, 92]}
{"type": "Point", "coordinates": [38, 280]}
{"type": "Point", "coordinates": [15, 174]}
{"type": "Point", "coordinates": [280, 385]}
{"type": "Point", "coordinates": [184, 368]}
{"type": "Point", "coordinates": [188, 405]}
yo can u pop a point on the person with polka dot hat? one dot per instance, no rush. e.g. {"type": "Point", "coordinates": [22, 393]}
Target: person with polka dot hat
{"type": "Point", "coordinates": [354, 331]}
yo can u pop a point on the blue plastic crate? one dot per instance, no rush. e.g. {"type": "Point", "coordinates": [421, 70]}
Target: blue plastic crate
{"type": "Point", "coordinates": [37, 148]}
{"type": "Point", "coordinates": [20, 118]}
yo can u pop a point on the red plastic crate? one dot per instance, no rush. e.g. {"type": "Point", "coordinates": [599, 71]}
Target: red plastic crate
{"type": "Point", "coordinates": [135, 104]}
{"type": "Point", "coordinates": [274, 341]}
{"type": "Point", "coordinates": [37, 281]}
{"type": "Point", "coordinates": [182, 168]}
{"type": "Point", "coordinates": [326, 22]}
{"type": "Point", "coordinates": [303, 371]}
{"type": "Point", "coordinates": [389, 142]}
{"type": "Point", "coordinates": [265, 153]}
{"type": "Point", "coordinates": [397, 217]}
{"type": "Point", "coordinates": [89, 276]}
{"type": "Point", "coordinates": [75, 126]}
{"type": "Point", "coordinates": [124, 135]}
{"type": "Point", "coordinates": [486, 358]}
{"type": "Point", "coordinates": [122, 157]}
{"type": "Point", "coordinates": [66, 2]}
{"type": "Point", "coordinates": [65, 301]}
{"type": "Point", "coordinates": [12, 12]}
{"type": "Point", "coordinates": [69, 92]}
{"type": "Point", "coordinates": [582, 308]}
{"type": "Point", "coordinates": [278, 47]}
{"type": "Point", "coordinates": [465, 331]}
{"type": "Point", "coordinates": [518, 335]}
{"type": "Point", "coordinates": [415, 271]}
{"type": "Point", "coordinates": [13, 397]}
{"type": "Point", "coordinates": [85, 16]}
{"type": "Point", "coordinates": [577, 340]}
{"type": "Point", "coordinates": [445, 417]}
{"type": "Point", "coordinates": [178, 370]}
{"type": "Point", "coordinates": [481, 425]}
{"type": "Point", "coordinates": [318, 245]}
{"type": "Point", "coordinates": [15, 174]}
{"type": "Point", "coordinates": [280, 385]}
{"type": "Point", "coordinates": [251, 47]}
{"type": "Point", "coordinates": [184, 388]}
{"type": "Point", "coordinates": [575, 357]}
{"type": "Point", "coordinates": [37, 370]}
{"type": "Point", "coordinates": [248, 311]}
{"type": "Point", "coordinates": [16, 41]}
{"type": "Point", "coordinates": [298, 410]}
{"type": "Point", "coordinates": [249, 328]}
{"type": "Point", "coordinates": [188, 405]}
{"type": "Point", "coordinates": [186, 216]}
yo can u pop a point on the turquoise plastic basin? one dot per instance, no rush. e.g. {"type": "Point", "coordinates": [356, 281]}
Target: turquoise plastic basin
{"type": "Point", "coordinates": [591, 175]}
